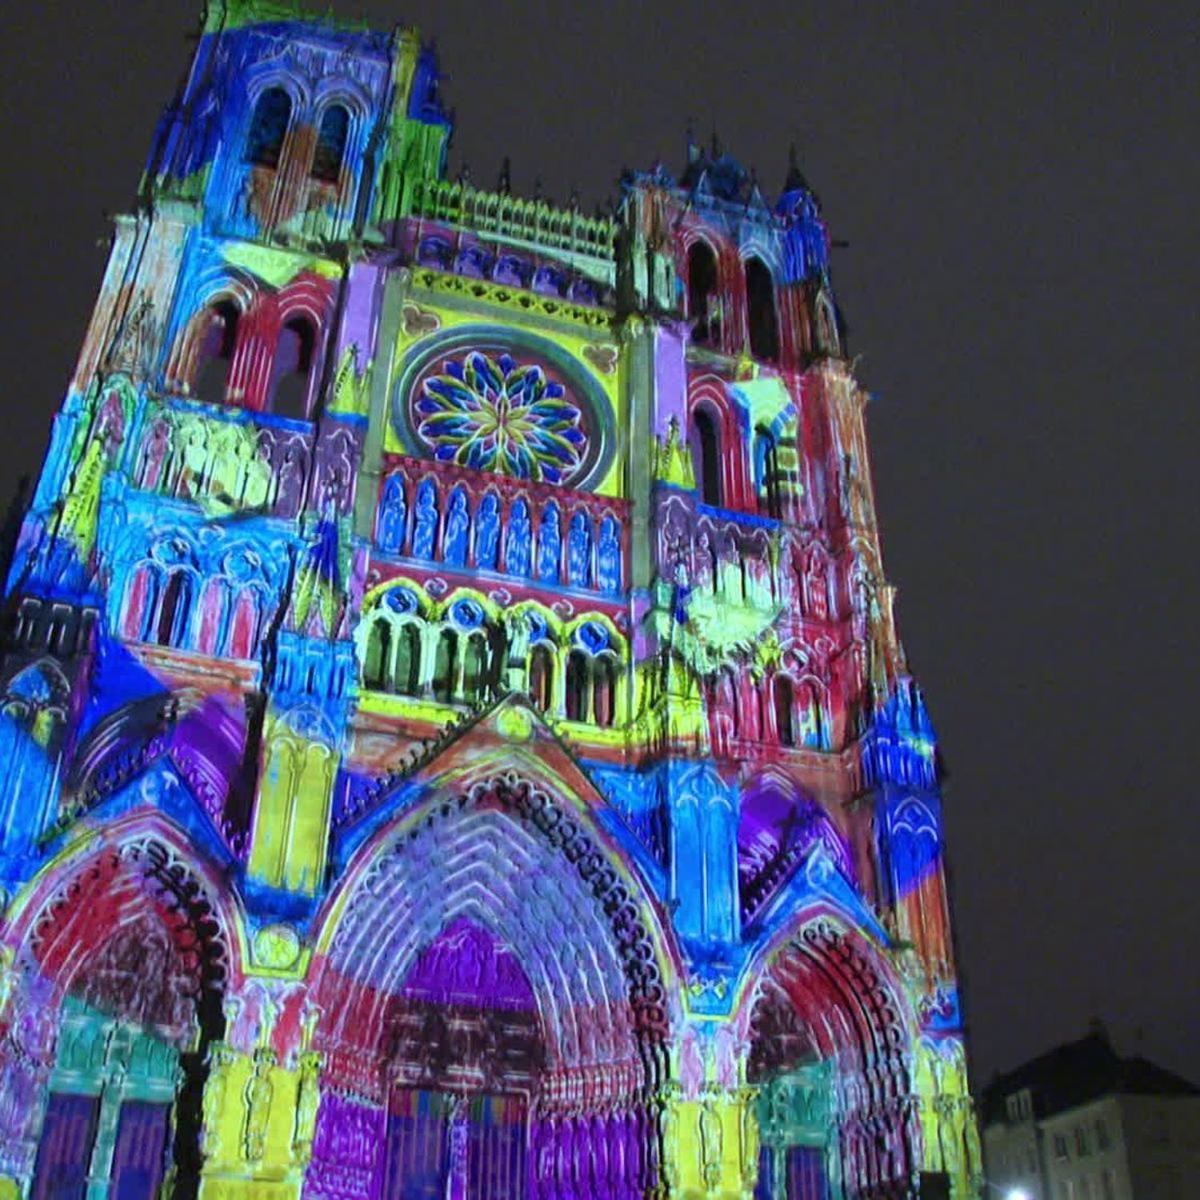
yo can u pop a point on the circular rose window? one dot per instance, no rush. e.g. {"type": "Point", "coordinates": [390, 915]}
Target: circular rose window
{"type": "Point", "coordinates": [502, 408]}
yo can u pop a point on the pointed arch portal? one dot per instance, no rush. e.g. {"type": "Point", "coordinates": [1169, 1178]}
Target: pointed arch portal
{"type": "Point", "coordinates": [492, 1008]}
{"type": "Point", "coordinates": [123, 961]}
{"type": "Point", "coordinates": [829, 1059]}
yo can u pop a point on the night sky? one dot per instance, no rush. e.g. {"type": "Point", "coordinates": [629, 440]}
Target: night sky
{"type": "Point", "coordinates": [1018, 184]}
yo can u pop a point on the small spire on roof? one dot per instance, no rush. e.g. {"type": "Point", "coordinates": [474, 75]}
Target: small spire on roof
{"type": "Point", "coordinates": [794, 180]}
{"type": "Point", "coordinates": [504, 183]}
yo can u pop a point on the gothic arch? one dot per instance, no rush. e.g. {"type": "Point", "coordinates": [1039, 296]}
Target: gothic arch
{"type": "Point", "coordinates": [126, 928]}
{"type": "Point", "coordinates": [822, 994]}
{"type": "Point", "coordinates": [604, 1018]}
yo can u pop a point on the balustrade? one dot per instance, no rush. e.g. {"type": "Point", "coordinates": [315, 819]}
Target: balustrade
{"type": "Point", "coordinates": [513, 217]}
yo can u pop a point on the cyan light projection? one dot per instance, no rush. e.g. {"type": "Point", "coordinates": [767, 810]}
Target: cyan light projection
{"type": "Point", "coordinates": [455, 739]}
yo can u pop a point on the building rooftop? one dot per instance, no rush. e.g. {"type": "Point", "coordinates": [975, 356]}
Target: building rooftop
{"type": "Point", "coordinates": [1077, 1072]}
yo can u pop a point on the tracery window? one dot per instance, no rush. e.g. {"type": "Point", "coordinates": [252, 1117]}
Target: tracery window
{"type": "Point", "coordinates": [272, 113]}
{"type": "Point", "coordinates": [331, 144]}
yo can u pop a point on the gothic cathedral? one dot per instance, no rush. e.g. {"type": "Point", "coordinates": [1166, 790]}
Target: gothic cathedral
{"type": "Point", "coordinates": [456, 744]}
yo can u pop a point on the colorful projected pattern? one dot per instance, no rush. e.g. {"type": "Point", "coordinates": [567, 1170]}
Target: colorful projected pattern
{"type": "Point", "coordinates": [493, 415]}
{"type": "Point", "coordinates": [455, 737]}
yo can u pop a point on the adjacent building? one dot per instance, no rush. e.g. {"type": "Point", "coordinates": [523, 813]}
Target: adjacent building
{"type": "Point", "coordinates": [456, 742]}
{"type": "Point", "coordinates": [1082, 1123]}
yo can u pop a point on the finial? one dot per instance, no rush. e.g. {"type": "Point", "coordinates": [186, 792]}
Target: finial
{"type": "Point", "coordinates": [504, 183]}
{"type": "Point", "coordinates": [464, 174]}
{"type": "Point", "coordinates": [537, 188]}
{"type": "Point", "coordinates": [794, 180]}
{"type": "Point", "coordinates": [573, 201]}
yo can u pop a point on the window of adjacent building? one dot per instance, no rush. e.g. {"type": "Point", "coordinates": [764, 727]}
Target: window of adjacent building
{"type": "Point", "coordinates": [331, 144]}
{"type": "Point", "coordinates": [760, 299]}
{"type": "Point", "coordinates": [706, 455]}
{"type": "Point", "coordinates": [268, 128]}
{"type": "Point", "coordinates": [1085, 1189]}
{"type": "Point", "coordinates": [1102, 1140]}
{"type": "Point", "coordinates": [1068, 1189]}
{"type": "Point", "coordinates": [292, 368]}
{"type": "Point", "coordinates": [1160, 1134]}
{"type": "Point", "coordinates": [1060, 1146]}
{"type": "Point", "coordinates": [215, 356]}
{"type": "Point", "coordinates": [1081, 1142]}
{"type": "Point", "coordinates": [702, 293]}
{"type": "Point", "coordinates": [1108, 1184]}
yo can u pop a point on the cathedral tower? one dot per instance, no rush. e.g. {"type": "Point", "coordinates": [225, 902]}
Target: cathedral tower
{"type": "Point", "coordinates": [456, 742]}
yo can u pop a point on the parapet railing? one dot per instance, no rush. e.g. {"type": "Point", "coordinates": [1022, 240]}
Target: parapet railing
{"type": "Point", "coordinates": [507, 216]}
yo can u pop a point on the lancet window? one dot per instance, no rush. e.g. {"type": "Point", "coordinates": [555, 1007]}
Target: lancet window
{"type": "Point", "coordinates": [785, 728]}
{"type": "Point", "coordinates": [292, 368]}
{"type": "Point", "coordinates": [218, 341]}
{"type": "Point", "coordinates": [760, 301]}
{"type": "Point", "coordinates": [331, 144]}
{"type": "Point", "coordinates": [272, 113]}
{"type": "Point", "coordinates": [706, 455]}
{"type": "Point", "coordinates": [703, 297]}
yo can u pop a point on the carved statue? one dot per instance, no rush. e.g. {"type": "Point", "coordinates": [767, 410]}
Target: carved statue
{"type": "Point", "coordinates": [259, 1093]}
{"type": "Point", "coordinates": [308, 1097]}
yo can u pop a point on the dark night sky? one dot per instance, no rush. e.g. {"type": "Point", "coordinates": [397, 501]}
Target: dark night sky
{"type": "Point", "coordinates": [1018, 185]}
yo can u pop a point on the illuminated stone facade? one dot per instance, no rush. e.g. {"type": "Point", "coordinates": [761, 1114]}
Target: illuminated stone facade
{"type": "Point", "coordinates": [456, 743]}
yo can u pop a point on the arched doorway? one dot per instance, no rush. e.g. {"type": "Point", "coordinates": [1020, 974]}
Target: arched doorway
{"type": "Point", "coordinates": [493, 1011]}
{"type": "Point", "coordinates": [829, 1057]}
{"type": "Point", "coordinates": [127, 961]}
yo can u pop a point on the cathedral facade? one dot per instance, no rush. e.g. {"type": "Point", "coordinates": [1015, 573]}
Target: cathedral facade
{"type": "Point", "coordinates": [456, 742]}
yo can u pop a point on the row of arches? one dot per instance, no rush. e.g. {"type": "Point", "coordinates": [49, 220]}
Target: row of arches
{"type": "Point", "coordinates": [175, 606]}
{"type": "Point", "coordinates": [462, 655]}
{"type": "Point", "coordinates": [779, 710]}
{"type": "Point", "coordinates": [290, 385]}
{"type": "Point", "coordinates": [731, 302]}
{"type": "Point", "coordinates": [522, 1023]}
{"type": "Point", "coordinates": [570, 544]}
{"type": "Point", "coordinates": [707, 313]}
{"type": "Point", "coordinates": [269, 126]}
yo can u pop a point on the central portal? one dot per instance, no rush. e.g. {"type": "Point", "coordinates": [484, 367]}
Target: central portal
{"type": "Point", "coordinates": [465, 1055]}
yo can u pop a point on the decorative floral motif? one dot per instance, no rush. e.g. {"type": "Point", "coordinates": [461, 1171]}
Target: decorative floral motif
{"type": "Point", "coordinates": [494, 414]}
